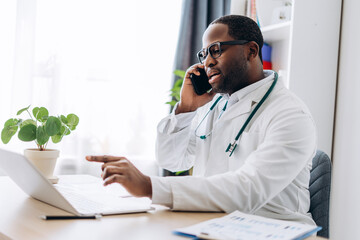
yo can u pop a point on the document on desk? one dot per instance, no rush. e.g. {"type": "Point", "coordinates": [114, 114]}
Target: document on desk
{"type": "Point", "coordinates": [241, 226]}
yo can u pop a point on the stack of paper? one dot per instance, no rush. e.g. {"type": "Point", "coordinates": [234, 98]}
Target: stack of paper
{"type": "Point", "coordinates": [241, 226]}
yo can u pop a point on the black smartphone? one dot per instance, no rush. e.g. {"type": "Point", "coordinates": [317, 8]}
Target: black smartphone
{"type": "Point", "coordinates": [201, 83]}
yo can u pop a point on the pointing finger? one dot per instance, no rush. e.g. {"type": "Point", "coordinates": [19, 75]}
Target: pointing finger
{"type": "Point", "coordinates": [104, 158]}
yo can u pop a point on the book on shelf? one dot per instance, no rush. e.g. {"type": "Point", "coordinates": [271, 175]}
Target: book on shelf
{"type": "Point", "coordinates": [238, 225]}
{"type": "Point", "coordinates": [266, 56]}
{"type": "Point", "coordinates": [251, 11]}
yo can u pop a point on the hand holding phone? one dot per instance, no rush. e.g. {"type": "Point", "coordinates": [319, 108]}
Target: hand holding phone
{"type": "Point", "coordinates": [200, 83]}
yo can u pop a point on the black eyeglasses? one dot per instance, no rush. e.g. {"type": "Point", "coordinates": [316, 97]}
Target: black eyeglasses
{"type": "Point", "coordinates": [215, 49]}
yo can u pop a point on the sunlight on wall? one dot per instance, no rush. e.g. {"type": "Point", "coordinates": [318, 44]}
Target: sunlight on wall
{"type": "Point", "coordinates": [7, 45]}
{"type": "Point", "coordinates": [108, 61]}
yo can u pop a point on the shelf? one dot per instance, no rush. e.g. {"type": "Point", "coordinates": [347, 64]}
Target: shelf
{"type": "Point", "coordinates": [276, 32]}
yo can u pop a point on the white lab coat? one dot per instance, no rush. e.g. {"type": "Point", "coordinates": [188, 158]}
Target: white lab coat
{"type": "Point", "coordinates": [268, 173]}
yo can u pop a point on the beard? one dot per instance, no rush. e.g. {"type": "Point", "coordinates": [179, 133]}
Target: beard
{"type": "Point", "coordinates": [234, 80]}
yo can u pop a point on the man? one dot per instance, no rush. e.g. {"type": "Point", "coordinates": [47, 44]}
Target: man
{"type": "Point", "coordinates": [267, 172]}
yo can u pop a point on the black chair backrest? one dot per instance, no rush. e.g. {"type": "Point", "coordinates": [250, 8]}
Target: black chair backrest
{"type": "Point", "coordinates": [319, 187]}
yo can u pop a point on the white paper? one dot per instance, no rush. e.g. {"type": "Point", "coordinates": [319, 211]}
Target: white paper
{"type": "Point", "coordinates": [241, 226]}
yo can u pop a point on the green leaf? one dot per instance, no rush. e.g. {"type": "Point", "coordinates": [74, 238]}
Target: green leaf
{"type": "Point", "coordinates": [180, 73]}
{"type": "Point", "coordinates": [27, 121]}
{"type": "Point", "coordinates": [63, 119]}
{"type": "Point", "coordinates": [52, 126]}
{"type": "Point", "coordinates": [11, 122]}
{"type": "Point", "coordinates": [41, 135]}
{"type": "Point", "coordinates": [41, 114]}
{"type": "Point", "coordinates": [27, 133]}
{"type": "Point", "coordinates": [66, 131]}
{"type": "Point", "coordinates": [73, 121]}
{"type": "Point", "coordinates": [175, 95]}
{"type": "Point", "coordinates": [178, 83]}
{"type": "Point", "coordinates": [35, 111]}
{"type": "Point", "coordinates": [176, 89]}
{"type": "Point", "coordinates": [172, 103]}
{"type": "Point", "coordinates": [22, 110]}
{"type": "Point", "coordinates": [8, 132]}
{"type": "Point", "coordinates": [58, 137]}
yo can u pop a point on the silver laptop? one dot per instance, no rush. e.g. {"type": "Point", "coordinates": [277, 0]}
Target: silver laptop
{"type": "Point", "coordinates": [79, 199]}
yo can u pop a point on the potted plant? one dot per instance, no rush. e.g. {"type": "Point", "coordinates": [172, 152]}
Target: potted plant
{"type": "Point", "coordinates": [175, 90]}
{"type": "Point", "coordinates": [175, 97]}
{"type": "Point", "coordinates": [40, 127]}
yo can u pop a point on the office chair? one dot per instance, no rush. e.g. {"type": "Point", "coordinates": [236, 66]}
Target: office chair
{"type": "Point", "coordinates": [319, 187]}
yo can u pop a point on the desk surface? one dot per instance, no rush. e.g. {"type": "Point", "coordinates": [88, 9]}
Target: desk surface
{"type": "Point", "coordinates": [20, 220]}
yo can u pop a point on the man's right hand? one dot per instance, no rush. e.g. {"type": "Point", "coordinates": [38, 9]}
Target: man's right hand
{"type": "Point", "coordinates": [189, 100]}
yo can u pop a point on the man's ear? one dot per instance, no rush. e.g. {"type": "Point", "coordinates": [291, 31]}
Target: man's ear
{"type": "Point", "coordinates": [253, 50]}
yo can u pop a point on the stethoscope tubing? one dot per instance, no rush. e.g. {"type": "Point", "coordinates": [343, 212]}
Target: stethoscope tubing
{"type": "Point", "coordinates": [231, 147]}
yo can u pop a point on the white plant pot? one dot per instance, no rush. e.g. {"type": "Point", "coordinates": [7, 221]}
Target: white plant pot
{"type": "Point", "coordinates": [44, 161]}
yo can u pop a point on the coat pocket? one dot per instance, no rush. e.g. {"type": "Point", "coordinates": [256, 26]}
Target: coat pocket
{"type": "Point", "coordinates": [248, 143]}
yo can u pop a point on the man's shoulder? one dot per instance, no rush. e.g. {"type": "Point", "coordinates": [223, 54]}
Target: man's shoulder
{"type": "Point", "coordinates": [284, 98]}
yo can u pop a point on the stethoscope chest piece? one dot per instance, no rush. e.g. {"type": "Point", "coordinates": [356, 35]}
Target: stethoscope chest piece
{"type": "Point", "coordinates": [231, 148]}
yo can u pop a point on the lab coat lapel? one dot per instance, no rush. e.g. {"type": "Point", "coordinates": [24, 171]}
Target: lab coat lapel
{"type": "Point", "coordinates": [240, 108]}
{"type": "Point", "coordinates": [246, 104]}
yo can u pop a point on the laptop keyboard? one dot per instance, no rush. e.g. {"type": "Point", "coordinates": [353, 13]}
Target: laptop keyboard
{"type": "Point", "coordinates": [93, 200]}
{"type": "Point", "coordinates": [83, 204]}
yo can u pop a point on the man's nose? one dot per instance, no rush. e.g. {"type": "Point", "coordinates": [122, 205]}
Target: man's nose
{"type": "Point", "coordinates": [209, 61]}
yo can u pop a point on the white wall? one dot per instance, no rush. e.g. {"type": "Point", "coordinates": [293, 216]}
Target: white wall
{"type": "Point", "coordinates": [345, 199]}
{"type": "Point", "coordinates": [313, 61]}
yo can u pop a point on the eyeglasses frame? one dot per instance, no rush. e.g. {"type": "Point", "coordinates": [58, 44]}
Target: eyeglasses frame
{"type": "Point", "coordinates": [235, 42]}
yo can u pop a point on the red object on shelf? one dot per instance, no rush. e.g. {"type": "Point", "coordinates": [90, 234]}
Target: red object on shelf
{"type": "Point", "coordinates": [267, 65]}
{"type": "Point", "coordinates": [253, 10]}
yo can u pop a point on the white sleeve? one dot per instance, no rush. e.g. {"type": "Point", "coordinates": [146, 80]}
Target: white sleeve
{"type": "Point", "coordinates": [288, 147]}
{"type": "Point", "coordinates": [161, 191]}
{"type": "Point", "coordinates": [175, 142]}
{"type": "Point", "coordinates": [175, 122]}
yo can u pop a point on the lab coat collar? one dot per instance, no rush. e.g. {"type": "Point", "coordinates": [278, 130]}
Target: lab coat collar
{"type": "Point", "coordinates": [242, 93]}
{"type": "Point", "coordinates": [244, 99]}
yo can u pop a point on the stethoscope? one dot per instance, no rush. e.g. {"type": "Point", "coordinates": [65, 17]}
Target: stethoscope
{"type": "Point", "coordinates": [232, 146]}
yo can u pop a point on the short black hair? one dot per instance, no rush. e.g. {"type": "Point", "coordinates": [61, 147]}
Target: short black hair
{"type": "Point", "coordinates": [242, 28]}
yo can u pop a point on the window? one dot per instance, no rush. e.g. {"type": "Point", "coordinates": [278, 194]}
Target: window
{"type": "Point", "coordinates": [108, 61]}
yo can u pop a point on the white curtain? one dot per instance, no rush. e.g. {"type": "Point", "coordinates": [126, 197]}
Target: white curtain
{"type": "Point", "coordinates": [108, 61]}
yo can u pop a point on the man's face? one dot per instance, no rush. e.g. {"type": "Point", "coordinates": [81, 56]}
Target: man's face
{"type": "Point", "coordinates": [227, 73]}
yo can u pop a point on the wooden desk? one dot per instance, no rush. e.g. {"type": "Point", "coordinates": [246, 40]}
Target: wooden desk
{"type": "Point", "coordinates": [20, 220]}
